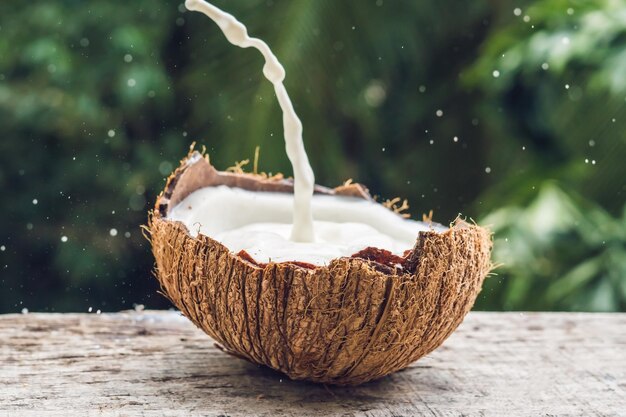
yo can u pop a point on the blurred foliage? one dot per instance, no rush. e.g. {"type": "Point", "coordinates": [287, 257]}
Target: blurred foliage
{"type": "Point", "coordinates": [560, 253]}
{"type": "Point", "coordinates": [509, 112]}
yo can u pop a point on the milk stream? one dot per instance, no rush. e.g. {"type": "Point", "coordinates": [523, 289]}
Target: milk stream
{"type": "Point", "coordinates": [304, 180]}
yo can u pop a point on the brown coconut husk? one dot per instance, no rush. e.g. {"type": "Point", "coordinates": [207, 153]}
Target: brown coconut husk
{"type": "Point", "coordinates": [355, 320]}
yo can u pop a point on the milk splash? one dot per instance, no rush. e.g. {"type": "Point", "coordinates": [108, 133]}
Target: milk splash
{"type": "Point", "coordinates": [304, 180]}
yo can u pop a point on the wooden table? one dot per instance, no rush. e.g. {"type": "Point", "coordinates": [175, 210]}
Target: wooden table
{"type": "Point", "coordinates": [158, 364]}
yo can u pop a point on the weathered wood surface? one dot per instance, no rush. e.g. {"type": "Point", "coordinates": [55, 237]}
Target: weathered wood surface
{"type": "Point", "coordinates": [157, 364]}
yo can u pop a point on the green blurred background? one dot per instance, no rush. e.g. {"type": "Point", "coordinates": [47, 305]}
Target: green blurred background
{"type": "Point", "coordinates": [512, 113]}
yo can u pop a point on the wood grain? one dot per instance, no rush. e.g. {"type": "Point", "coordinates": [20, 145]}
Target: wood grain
{"type": "Point", "coordinates": [158, 364]}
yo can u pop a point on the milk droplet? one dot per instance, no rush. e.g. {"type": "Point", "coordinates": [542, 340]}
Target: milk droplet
{"type": "Point", "coordinates": [89, 309]}
{"type": "Point", "coordinates": [456, 138]}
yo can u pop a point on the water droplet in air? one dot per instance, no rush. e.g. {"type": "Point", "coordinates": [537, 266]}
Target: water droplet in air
{"type": "Point", "coordinates": [3, 248]}
{"type": "Point", "coordinates": [35, 201]}
{"type": "Point", "coordinates": [131, 82]}
{"type": "Point", "coordinates": [24, 310]}
{"type": "Point", "coordinates": [488, 170]}
{"type": "Point", "coordinates": [128, 58]}
{"type": "Point", "coordinates": [165, 167]}
{"type": "Point", "coordinates": [495, 73]}
{"type": "Point", "coordinates": [113, 232]}
{"type": "Point", "coordinates": [89, 310]}
{"type": "Point", "coordinates": [517, 11]}
{"type": "Point", "coordinates": [545, 66]}
{"type": "Point", "coordinates": [456, 138]}
{"type": "Point", "coordinates": [63, 239]}
{"type": "Point", "coordinates": [439, 113]}
{"type": "Point", "coordinates": [111, 133]}
{"type": "Point", "coordinates": [375, 93]}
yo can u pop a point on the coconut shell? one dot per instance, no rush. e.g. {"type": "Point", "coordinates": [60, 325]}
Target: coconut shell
{"type": "Point", "coordinates": [355, 320]}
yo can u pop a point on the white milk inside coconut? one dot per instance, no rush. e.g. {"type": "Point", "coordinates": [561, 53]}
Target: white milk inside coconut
{"type": "Point", "coordinates": [279, 227]}
{"type": "Point", "coordinates": [260, 224]}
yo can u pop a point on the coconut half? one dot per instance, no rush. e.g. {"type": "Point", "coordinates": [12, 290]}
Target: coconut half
{"type": "Point", "coordinates": [341, 321]}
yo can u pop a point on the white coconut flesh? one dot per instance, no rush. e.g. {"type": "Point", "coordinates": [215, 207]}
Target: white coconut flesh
{"type": "Point", "coordinates": [260, 223]}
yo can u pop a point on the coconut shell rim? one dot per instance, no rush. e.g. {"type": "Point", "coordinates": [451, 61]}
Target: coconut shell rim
{"type": "Point", "coordinates": [196, 169]}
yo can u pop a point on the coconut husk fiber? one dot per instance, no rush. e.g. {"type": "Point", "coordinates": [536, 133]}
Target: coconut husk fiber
{"type": "Point", "coordinates": [355, 320]}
